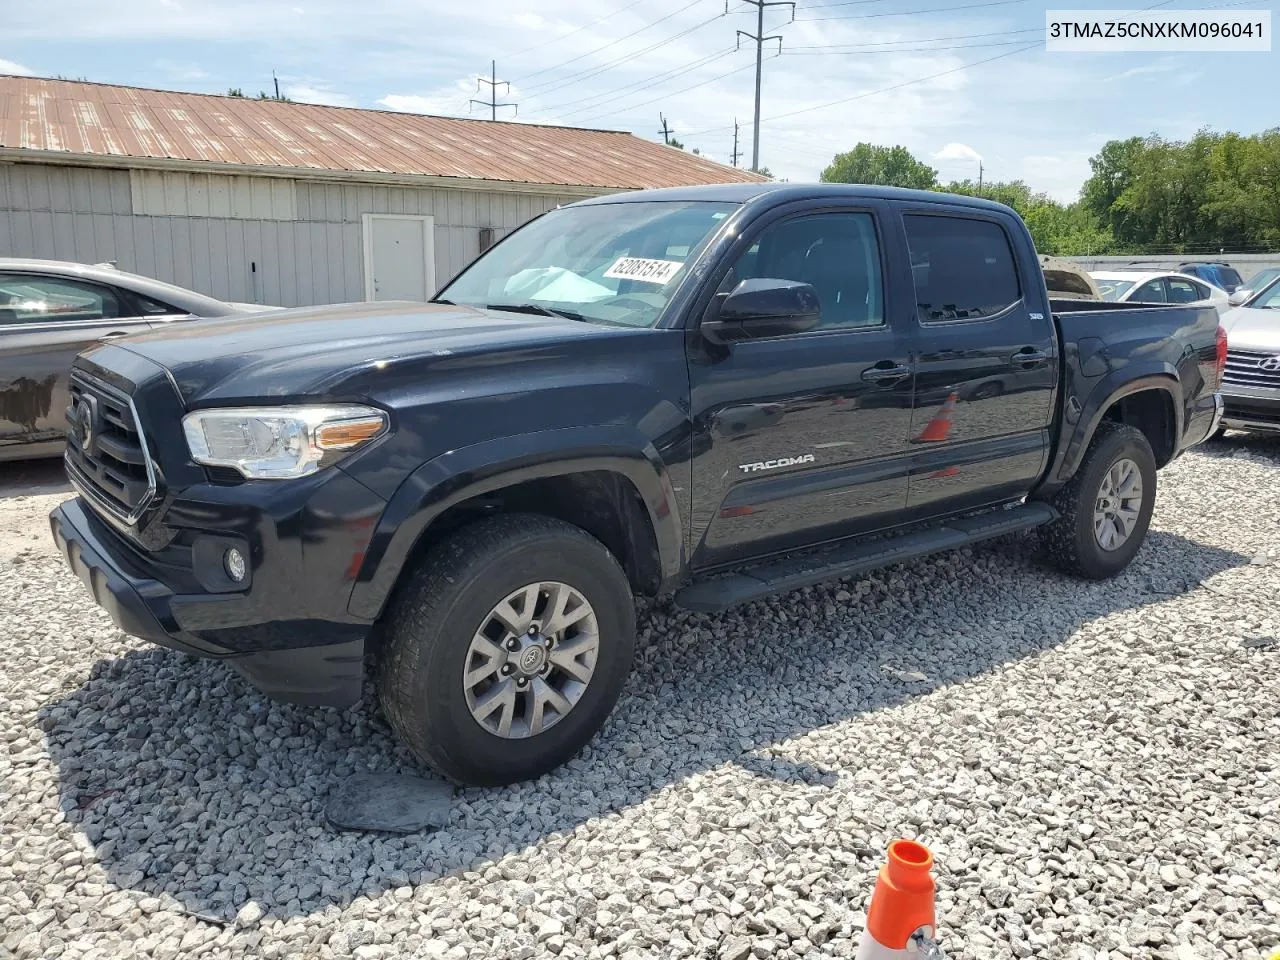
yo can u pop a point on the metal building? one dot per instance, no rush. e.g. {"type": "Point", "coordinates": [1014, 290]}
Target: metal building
{"type": "Point", "coordinates": [290, 204]}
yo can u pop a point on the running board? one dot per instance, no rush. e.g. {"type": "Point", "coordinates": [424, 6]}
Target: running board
{"type": "Point", "coordinates": [802, 570]}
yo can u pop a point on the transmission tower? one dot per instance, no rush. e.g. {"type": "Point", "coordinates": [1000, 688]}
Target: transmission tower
{"type": "Point", "coordinates": [493, 82]}
{"type": "Point", "coordinates": [760, 39]}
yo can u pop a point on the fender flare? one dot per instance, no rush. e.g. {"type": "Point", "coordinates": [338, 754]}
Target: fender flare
{"type": "Point", "coordinates": [1110, 389]}
{"type": "Point", "coordinates": [467, 472]}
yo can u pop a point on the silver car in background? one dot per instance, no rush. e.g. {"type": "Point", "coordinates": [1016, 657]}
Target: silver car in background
{"type": "Point", "coordinates": [1251, 380]}
{"type": "Point", "coordinates": [50, 310]}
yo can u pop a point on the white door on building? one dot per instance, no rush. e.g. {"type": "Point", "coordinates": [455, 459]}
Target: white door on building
{"type": "Point", "coordinates": [399, 257]}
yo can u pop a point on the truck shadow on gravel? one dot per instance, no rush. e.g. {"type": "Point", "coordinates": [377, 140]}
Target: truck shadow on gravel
{"type": "Point", "coordinates": [191, 784]}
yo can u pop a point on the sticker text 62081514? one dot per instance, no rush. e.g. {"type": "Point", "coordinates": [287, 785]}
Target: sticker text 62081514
{"type": "Point", "coordinates": [638, 268]}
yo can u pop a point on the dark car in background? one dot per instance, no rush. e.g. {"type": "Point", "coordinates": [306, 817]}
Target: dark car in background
{"type": "Point", "coordinates": [50, 310]}
{"type": "Point", "coordinates": [1219, 274]}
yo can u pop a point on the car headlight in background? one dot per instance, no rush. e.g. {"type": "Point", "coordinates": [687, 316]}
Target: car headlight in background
{"type": "Point", "coordinates": [280, 443]}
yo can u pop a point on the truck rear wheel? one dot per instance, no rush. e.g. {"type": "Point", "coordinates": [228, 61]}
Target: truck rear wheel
{"type": "Point", "coordinates": [1106, 507]}
{"type": "Point", "coordinates": [507, 649]}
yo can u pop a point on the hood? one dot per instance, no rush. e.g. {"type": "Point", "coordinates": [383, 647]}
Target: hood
{"type": "Point", "coordinates": [1252, 329]}
{"type": "Point", "coordinates": [317, 351]}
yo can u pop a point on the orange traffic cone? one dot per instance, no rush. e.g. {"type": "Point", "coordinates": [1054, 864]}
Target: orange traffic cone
{"type": "Point", "coordinates": [940, 426]}
{"type": "Point", "coordinates": [901, 924]}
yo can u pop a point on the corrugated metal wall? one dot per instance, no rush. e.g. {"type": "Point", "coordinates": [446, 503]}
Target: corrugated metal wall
{"type": "Point", "coordinates": [264, 240]}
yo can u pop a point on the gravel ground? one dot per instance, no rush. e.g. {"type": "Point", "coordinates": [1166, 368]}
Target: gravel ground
{"type": "Point", "coordinates": [1095, 766]}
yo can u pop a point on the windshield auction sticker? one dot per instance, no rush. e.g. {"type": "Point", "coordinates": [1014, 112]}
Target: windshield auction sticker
{"type": "Point", "coordinates": [638, 268]}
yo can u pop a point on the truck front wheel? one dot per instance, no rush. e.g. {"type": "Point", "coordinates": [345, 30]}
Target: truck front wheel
{"type": "Point", "coordinates": [1105, 509]}
{"type": "Point", "coordinates": [507, 649]}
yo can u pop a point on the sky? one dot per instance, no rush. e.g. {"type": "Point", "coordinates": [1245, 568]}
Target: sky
{"type": "Point", "coordinates": [957, 82]}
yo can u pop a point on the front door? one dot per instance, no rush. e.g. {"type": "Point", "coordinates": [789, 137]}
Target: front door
{"type": "Point", "coordinates": [803, 435]}
{"type": "Point", "coordinates": [986, 369]}
{"type": "Point", "coordinates": [399, 257]}
{"type": "Point", "coordinates": [44, 322]}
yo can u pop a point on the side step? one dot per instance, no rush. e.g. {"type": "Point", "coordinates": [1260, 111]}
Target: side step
{"type": "Point", "coordinates": [802, 570]}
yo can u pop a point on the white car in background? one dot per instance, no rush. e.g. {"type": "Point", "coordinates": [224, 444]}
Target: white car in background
{"type": "Point", "coordinates": [1157, 286]}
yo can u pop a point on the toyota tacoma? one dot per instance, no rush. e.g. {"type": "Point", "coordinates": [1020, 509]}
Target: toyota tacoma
{"type": "Point", "coordinates": [706, 394]}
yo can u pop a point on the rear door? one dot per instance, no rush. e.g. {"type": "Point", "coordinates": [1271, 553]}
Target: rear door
{"type": "Point", "coordinates": [44, 322]}
{"type": "Point", "coordinates": [987, 360]}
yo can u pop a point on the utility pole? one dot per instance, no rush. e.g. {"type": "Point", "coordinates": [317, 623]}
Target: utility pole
{"type": "Point", "coordinates": [979, 176]}
{"type": "Point", "coordinates": [760, 38]}
{"type": "Point", "coordinates": [735, 141]}
{"type": "Point", "coordinates": [665, 131]}
{"type": "Point", "coordinates": [492, 103]}
{"type": "Point", "coordinates": [277, 83]}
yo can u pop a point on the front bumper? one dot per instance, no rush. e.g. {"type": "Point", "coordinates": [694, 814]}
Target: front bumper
{"type": "Point", "coordinates": [1256, 409]}
{"type": "Point", "coordinates": [289, 655]}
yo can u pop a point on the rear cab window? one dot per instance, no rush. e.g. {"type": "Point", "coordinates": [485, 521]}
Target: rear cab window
{"type": "Point", "coordinates": [963, 267]}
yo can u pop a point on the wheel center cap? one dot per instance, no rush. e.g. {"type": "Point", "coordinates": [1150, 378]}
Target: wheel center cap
{"type": "Point", "coordinates": [532, 659]}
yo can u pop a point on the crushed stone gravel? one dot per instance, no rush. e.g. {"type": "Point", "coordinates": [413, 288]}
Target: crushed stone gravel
{"type": "Point", "coordinates": [1096, 767]}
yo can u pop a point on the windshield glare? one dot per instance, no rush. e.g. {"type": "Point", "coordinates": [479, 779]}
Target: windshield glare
{"type": "Point", "coordinates": [1112, 289]}
{"type": "Point", "coordinates": [608, 263]}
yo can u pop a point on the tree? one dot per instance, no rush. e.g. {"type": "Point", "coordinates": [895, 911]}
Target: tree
{"type": "Point", "coordinates": [884, 166]}
{"type": "Point", "coordinates": [262, 95]}
{"type": "Point", "coordinates": [1069, 230]}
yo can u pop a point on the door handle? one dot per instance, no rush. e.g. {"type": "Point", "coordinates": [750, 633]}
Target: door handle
{"type": "Point", "coordinates": [114, 333]}
{"type": "Point", "coordinates": [882, 374]}
{"type": "Point", "coordinates": [1029, 357]}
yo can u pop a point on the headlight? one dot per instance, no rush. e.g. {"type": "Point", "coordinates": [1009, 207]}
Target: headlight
{"type": "Point", "coordinates": [280, 442]}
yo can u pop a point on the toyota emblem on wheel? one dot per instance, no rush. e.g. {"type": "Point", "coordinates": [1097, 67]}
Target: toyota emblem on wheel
{"type": "Point", "coordinates": [1271, 364]}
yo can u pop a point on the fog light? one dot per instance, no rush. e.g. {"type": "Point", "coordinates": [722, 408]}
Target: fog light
{"type": "Point", "coordinates": [234, 562]}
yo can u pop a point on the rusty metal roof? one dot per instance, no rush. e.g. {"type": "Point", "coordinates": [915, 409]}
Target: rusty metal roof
{"type": "Point", "coordinates": [100, 120]}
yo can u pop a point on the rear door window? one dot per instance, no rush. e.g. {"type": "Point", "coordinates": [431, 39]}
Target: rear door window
{"type": "Point", "coordinates": [1150, 292]}
{"type": "Point", "coordinates": [1186, 291]}
{"type": "Point", "coordinates": [963, 268]}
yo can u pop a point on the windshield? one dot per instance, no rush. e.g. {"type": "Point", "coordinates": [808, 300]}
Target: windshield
{"type": "Point", "coordinates": [1112, 289]}
{"type": "Point", "coordinates": [605, 263]}
{"type": "Point", "coordinates": [1261, 279]}
{"type": "Point", "coordinates": [1230, 278]}
{"type": "Point", "coordinates": [1269, 299]}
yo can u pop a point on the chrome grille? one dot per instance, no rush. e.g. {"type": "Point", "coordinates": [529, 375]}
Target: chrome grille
{"type": "Point", "coordinates": [107, 457]}
{"type": "Point", "coordinates": [1245, 367]}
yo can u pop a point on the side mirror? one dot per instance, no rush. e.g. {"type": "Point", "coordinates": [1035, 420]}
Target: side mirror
{"type": "Point", "coordinates": [764, 307]}
{"type": "Point", "coordinates": [1239, 297]}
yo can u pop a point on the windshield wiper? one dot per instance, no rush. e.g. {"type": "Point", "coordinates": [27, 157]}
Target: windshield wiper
{"type": "Point", "coordinates": [535, 308]}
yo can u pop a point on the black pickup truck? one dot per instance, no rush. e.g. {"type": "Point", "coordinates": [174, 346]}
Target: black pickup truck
{"type": "Point", "coordinates": [709, 394]}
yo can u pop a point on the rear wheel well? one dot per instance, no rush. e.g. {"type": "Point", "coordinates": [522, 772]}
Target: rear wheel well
{"type": "Point", "coordinates": [1152, 412]}
{"type": "Point", "coordinates": [605, 504]}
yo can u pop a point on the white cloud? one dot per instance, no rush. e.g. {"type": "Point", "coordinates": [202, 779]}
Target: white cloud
{"type": "Point", "coordinates": [1164, 65]}
{"type": "Point", "coordinates": [320, 95]}
{"type": "Point", "coordinates": [15, 69]}
{"type": "Point", "coordinates": [958, 152]}
{"type": "Point", "coordinates": [181, 70]}
{"type": "Point", "coordinates": [530, 21]}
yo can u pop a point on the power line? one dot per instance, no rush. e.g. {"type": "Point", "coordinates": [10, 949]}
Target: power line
{"type": "Point", "coordinates": [611, 43]}
{"type": "Point", "coordinates": [848, 53]}
{"type": "Point", "coordinates": [576, 30]}
{"type": "Point", "coordinates": [911, 13]}
{"type": "Point", "coordinates": [594, 71]}
{"type": "Point", "coordinates": [872, 93]}
{"type": "Point", "coordinates": [887, 43]}
{"type": "Point", "coordinates": [597, 99]}
{"type": "Point", "coordinates": [665, 96]}
{"type": "Point", "coordinates": [760, 38]}
{"type": "Point", "coordinates": [492, 103]}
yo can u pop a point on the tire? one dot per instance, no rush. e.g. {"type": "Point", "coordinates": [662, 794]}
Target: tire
{"type": "Point", "coordinates": [1071, 542]}
{"type": "Point", "coordinates": [431, 633]}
